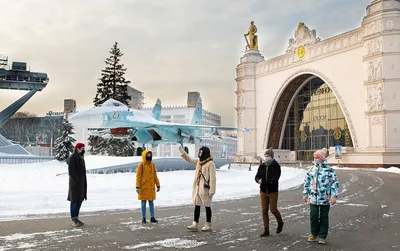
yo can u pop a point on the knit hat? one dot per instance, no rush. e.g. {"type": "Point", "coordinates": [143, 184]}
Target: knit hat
{"type": "Point", "coordinates": [79, 145]}
{"type": "Point", "coordinates": [325, 151]}
{"type": "Point", "coordinates": [321, 154]}
{"type": "Point", "coordinates": [270, 152]}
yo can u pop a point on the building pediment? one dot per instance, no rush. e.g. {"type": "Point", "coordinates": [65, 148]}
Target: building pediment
{"type": "Point", "coordinates": [303, 36]}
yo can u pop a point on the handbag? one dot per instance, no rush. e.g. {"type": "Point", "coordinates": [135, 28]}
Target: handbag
{"type": "Point", "coordinates": [206, 185]}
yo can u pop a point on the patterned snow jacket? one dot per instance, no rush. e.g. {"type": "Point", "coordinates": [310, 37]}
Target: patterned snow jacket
{"type": "Point", "coordinates": [320, 184]}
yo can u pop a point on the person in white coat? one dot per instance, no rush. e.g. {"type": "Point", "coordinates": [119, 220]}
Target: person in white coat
{"type": "Point", "coordinates": [204, 185]}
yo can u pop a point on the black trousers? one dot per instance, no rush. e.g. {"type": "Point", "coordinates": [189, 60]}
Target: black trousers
{"type": "Point", "coordinates": [197, 214]}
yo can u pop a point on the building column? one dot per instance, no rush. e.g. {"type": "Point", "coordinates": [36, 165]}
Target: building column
{"type": "Point", "coordinates": [246, 103]}
{"type": "Point", "coordinates": [382, 77]}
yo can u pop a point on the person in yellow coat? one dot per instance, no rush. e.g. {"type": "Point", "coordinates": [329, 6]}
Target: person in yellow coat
{"type": "Point", "coordinates": [146, 181]}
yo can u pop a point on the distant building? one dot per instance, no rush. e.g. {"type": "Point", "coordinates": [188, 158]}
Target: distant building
{"type": "Point", "coordinates": [137, 98]}
{"type": "Point", "coordinates": [69, 105]}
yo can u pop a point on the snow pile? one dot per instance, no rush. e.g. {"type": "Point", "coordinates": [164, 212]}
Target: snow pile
{"type": "Point", "coordinates": [390, 170]}
{"type": "Point", "coordinates": [36, 189]}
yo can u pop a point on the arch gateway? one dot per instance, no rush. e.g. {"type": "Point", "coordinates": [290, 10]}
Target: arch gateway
{"type": "Point", "coordinates": [342, 91]}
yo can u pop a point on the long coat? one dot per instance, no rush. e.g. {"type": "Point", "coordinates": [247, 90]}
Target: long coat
{"type": "Point", "coordinates": [202, 196]}
{"type": "Point", "coordinates": [146, 179]}
{"type": "Point", "coordinates": [77, 191]}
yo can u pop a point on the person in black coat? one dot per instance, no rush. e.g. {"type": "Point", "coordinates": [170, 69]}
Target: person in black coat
{"type": "Point", "coordinates": [77, 191]}
{"type": "Point", "coordinates": [267, 176]}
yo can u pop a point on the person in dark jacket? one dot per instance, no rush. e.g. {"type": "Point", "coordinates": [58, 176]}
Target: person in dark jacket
{"type": "Point", "coordinates": [267, 176]}
{"type": "Point", "coordinates": [77, 191]}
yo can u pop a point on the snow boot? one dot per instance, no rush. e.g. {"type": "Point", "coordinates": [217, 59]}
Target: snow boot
{"type": "Point", "coordinates": [144, 221]}
{"type": "Point", "coordinates": [207, 227]}
{"type": "Point", "coordinates": [265, 234]}
{"type": "Point", "coordinates": [193, 227]}
{"type": "Point", "coordinates": [312, 238]}
{"type": "Point", "coordinates": [322, 241]}
{"type": "Point", "coordinates": [153, 220]}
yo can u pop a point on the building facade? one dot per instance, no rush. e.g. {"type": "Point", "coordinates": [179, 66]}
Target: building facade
{"type": "Point", "coordinates": [342, 91]}
{"type": "Point", "coordinates": [137, 98]}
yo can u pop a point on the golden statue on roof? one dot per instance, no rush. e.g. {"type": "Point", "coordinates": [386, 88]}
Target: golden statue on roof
{"type": "Point", "coordinates": [252, 41]}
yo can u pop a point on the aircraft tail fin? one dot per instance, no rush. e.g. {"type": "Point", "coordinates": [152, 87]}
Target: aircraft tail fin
{"type": "Point", "coordinates": [157, 110]}
{"type": "Point", "coordinates": [198, 113]}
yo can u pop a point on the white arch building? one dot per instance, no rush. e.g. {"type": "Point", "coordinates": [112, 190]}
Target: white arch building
{"type": "Point", "coordinates": [343, 90]}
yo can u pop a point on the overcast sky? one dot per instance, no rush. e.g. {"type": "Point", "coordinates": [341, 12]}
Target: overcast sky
{"type": "Point", "coordinates": [170, 46]}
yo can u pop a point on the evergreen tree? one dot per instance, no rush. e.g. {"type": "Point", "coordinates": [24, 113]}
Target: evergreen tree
{"type": "Point", "coordinates": [64, 144]}
{"type": "Point", "coordinates": [110, 147]}
{"type": "Point", "coordinates": [112, 82]}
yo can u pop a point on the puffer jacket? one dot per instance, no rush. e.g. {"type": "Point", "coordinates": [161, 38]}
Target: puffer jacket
{"type": "Point", "coordinates": [320, 184]}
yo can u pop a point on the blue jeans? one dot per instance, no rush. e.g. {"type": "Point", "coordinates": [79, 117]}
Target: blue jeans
{"type": "Point", "coordinates": [75, 207]}
{"type": "Point", "coordinates": [151, 206]}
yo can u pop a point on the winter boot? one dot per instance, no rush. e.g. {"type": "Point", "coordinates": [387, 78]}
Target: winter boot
{"type": "Point", "coordinates": [265, 234]}
{"type": "Point", "coordinates": [153, 220]}
{"type": "Point", "coordinates": [207, 227]}
{"type": "Point", "coordinates": [75, 223]}
{"type": "Point", "coordinates": [279, 228]}
{"type": "Point", "coordinates": [193, 227]}
{"type": "Point", "coordinates": [80, 222]}
{"type": "Point", "coordinates": [322, 241]}
{"type": "Point", "coordinates": [312, 238]}
{"type": "Point", "coordinates": [144, 221]}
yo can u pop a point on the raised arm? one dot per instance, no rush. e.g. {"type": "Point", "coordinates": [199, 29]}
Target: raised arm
{"type": "Point", "coordinates": [186, 157]}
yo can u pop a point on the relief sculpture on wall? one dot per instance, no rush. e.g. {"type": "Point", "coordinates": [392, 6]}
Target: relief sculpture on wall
{"type": "Point", "coordinates": [375, 98]}
{"type": "Point", "coordinates": [374, 70]}
{"type": "Point", "coordinates": [374, 46]}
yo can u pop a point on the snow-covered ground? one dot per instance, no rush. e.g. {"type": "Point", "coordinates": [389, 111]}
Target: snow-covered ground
{"type": "Point", "coordinates": [390, 170]}
{"type": "Point", "coordinates": [28, 190]}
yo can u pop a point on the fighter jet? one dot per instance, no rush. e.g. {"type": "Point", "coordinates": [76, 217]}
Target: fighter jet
{"type": "Point", "coordinates": [114, 119]}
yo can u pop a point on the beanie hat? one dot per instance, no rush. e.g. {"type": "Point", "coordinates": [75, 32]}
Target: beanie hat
{"type": "Point", "coordinates": [325, 151]}
{"type": "Point", "coordinates": [321, 154]}
{"type": "Point", "coordinates": [79, 145]}
{"type": "Point", "coordinates": [270, 152]}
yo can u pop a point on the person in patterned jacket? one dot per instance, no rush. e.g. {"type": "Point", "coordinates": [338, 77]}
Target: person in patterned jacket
{"type": "Point", "coordinates": [321, 188]}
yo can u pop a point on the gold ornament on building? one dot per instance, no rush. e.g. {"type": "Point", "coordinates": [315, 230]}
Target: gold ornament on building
{"type": "Point", "coordinates": [303, 136]}
{"type": "Point", "coordinates": [252, 42]}
{"type": "Point", "coordinates": [301, 51]}
{"type": "Point", "coordinates": [337, 134]}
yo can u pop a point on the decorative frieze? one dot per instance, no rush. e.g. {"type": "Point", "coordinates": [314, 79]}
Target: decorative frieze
{"type": "Point", "coordinates": [375, 98]}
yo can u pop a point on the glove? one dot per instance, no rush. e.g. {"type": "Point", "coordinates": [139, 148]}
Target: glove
{"type": "Point", "coordinates": [138, 190]}
{"type": "Point", "coordinates": [158, 189]}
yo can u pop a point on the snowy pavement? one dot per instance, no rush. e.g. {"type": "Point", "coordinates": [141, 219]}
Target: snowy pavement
{"type": "Point", "coordinates": [35, 190]}
{"type": "Point", "coordinates": [366, 218]}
